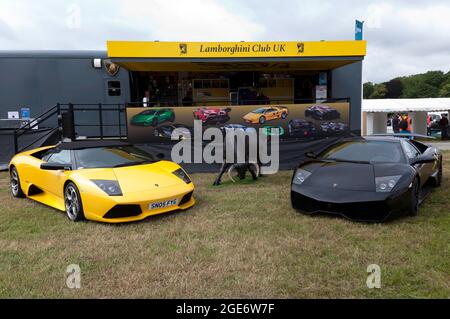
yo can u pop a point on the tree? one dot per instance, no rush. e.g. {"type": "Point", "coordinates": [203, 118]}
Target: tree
{"type": "Point", "coordinates": [379, 91]}
{"type": "Point", "coordinates": [424, 85]}
{"type": "Point", "coordinates": [394, 88]}
{"type": "Point", "coordinates": [367, 89]}
{"type": "Point", "coordinates": [415, 87]}
{"type": "Point", "coordinates": [445, 90]}
{"type": "Point", "coordinates": [433, 78]}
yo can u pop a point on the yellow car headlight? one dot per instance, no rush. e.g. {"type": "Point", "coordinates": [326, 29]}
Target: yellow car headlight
{"type": "Point", "coordinates": [180, 173]}
{"type": "Point", "coordinates": [110, 187]}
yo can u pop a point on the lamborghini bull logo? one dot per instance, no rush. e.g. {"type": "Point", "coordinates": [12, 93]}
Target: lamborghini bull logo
{"type": "Point", "coordinates": [110, 67]}
{"type": "Point", "coordinates": [183, 48]}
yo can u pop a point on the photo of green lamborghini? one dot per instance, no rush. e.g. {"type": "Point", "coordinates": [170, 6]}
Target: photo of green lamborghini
{"type": "Point", "coordinates": [153, 117]}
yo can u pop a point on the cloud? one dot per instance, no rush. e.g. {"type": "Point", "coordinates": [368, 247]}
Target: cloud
{"type": "Point", "coordinates": [404, 37]}
{"type": "Point", "coordinates": [194, 20]}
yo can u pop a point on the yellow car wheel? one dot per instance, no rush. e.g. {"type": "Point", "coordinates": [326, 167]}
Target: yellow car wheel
{"type": "Point", "coordinates": [72, 202]}
{"type": "Point", "coordinates": [262, 120]}
{"type": "Point", "coordinates": [16, 190]}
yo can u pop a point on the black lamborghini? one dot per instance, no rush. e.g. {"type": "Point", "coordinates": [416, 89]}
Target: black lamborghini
{"type": "Point", "coordinates": [301, 128]}
{"type": "Point", "coordinates": [166, 131]}
{"type": "Point", "coordinates": [322, 112]}
{"type": "Point", "coordinates": [367, 179]}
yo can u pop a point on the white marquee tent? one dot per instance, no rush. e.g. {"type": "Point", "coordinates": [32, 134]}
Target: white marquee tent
{"type": "Point", "coordinates": [375, 112]}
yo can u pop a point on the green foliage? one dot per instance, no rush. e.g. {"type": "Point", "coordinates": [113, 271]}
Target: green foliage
{"type": "Point", "coordinates": [444, 91]}
{"type": "Point", "coordinates": [425, 85]}
{"type": "Point", "coordinates": [394, 88]}
{"type": "Point", "coordinates": [414, 88]}
{"type": "Point", "coordinates": [367, 89]}
{"type": "Point", "coordinates": [379, 91]}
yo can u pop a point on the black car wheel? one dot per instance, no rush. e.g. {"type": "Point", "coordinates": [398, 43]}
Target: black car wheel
{"type": "Point", "coordinates": [290, 130]}
{"type": "Point", "coordinates": [262, 120]}
{"type": "Point", "coordinates": [72, 202]}
{"type": "Point", "coordinates": [415, 198]}
{"type": "Point", "coordinates": [156, 133]}
{"type": "Point", "coordinates": [317, 115]}
{"type": "Point", "coordinates": [16, 190]}
{"type": "Point", "coordinates": [155, 122]}
{"type": "Point", "coordinates": [439, 176]}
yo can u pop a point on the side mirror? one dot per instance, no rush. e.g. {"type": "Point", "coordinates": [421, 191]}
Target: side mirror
{"type": "Point", "coordinates": [311, 155]}
{"type": "Point", "coordinates": [55, 167]}
{"type": "Point", "coordinates": [423, 159]}
{"type": "Point", "coordinates": [160, 156]}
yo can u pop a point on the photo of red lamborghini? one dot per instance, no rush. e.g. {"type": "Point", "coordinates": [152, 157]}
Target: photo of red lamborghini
{"type": "Point", "coordinates": [212, 115]}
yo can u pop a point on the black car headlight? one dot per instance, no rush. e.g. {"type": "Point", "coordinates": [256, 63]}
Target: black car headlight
{"type": "Point", "coordinates": [386, 184]}
{"type": "Point", "coordinates": [300, 176]}
{"type": "Point", "coordinates": [180, 173]}
{"type": "Point", "coordinates": [110, 187]}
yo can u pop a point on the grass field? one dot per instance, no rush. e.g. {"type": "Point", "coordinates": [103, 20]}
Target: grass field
{"type": "Point", "coordinates": [238, 241]}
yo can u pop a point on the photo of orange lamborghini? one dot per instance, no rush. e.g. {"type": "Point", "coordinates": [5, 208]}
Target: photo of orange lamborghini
{"type": "Point", "coordinates": [267, 113]}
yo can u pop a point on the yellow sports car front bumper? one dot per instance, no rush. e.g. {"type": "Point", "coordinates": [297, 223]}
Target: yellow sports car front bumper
{"type": "Point", "coordinates": [136, 206]}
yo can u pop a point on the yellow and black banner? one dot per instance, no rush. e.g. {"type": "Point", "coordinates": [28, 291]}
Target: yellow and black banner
{"type": "Point", "coordinates": [139, 49]}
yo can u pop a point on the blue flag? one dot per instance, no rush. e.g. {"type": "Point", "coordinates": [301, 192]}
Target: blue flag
{"type": "Point", "coordinates": [359, 30]}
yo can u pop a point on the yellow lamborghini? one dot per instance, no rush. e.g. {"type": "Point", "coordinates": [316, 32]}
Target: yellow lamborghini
{"type": "Point", "coordinates": [106, 181]}
{"type": "Point", "coordinates": [267, 113]}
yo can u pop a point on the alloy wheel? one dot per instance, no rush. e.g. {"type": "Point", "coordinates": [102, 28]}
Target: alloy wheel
{"type": "Point", "coordinates": [14, 182]}
{"type": "Point", "coordinates": [72, 202]}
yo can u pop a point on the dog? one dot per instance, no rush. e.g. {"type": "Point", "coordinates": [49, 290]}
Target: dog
{"type": "Point", "coordinates": [239, 170]}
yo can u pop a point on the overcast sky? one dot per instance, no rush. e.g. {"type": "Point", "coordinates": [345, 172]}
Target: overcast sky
{"type": "Point", "coordinates": [404, 37]}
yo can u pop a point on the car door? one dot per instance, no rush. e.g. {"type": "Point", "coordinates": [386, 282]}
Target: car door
{"type": "Point", "coordinates": [277, 113]}
{"type": "Point", "coordinates": [162, 115]}
{"type": "Point", "coordinates": [53, 180]}
{"type": "Point", "coordinates": [270, 114]}
{"type": "Point", "coordinates": [412, 153]}
{"type": "Point", "coordinates": [30, 170]}
{"type": "Point", "coordinates": [165, 115]}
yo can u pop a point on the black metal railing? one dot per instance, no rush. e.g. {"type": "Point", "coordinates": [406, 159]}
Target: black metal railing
{"type": "Point", "coordinates": [117, 120]}
{"type": "Point", "coordinates": [53, 123]}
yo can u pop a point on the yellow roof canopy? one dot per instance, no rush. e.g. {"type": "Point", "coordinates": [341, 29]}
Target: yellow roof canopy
{"type": "Point", "coordinates": [234, 56]}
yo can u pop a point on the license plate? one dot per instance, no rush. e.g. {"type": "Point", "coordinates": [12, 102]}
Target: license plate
{"type": "Point", "coordinates": [163, 204]}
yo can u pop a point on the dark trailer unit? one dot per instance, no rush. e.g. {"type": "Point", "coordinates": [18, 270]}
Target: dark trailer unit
{"type": "Point", "coordinates": [101, 84]}
{"type": "Point", "coordinates": [38, 80]}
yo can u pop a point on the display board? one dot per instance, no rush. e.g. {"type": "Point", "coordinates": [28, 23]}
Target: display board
{"type": "Point", "coordinates": [293, 121]}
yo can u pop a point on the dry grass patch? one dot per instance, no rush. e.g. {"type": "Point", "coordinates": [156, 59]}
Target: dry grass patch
{"type": "Point", "coordinates": [238, 241]}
